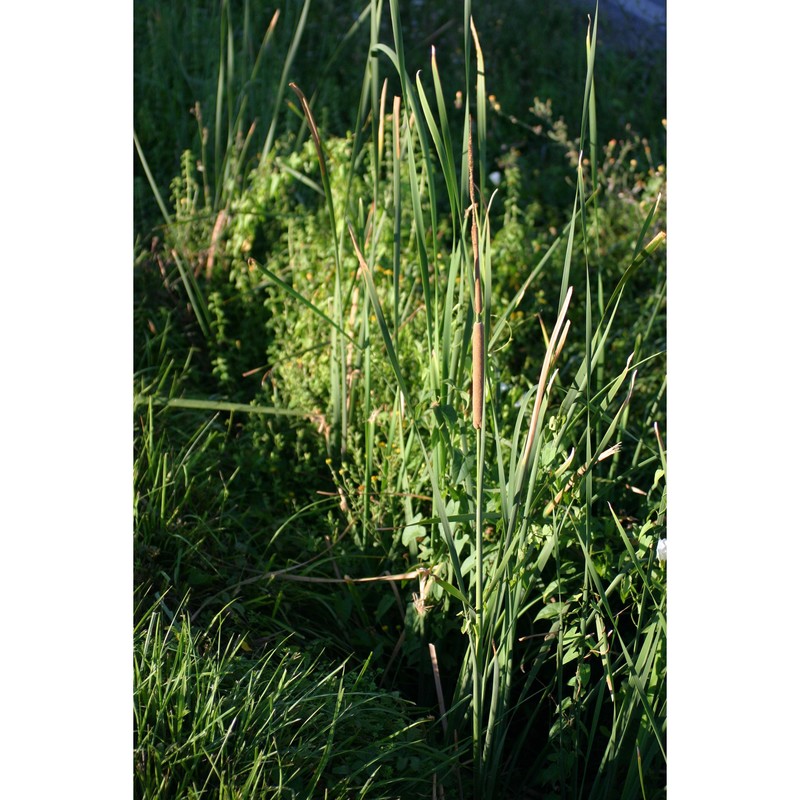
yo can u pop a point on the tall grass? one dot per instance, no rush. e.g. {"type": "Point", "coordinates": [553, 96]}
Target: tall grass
{"type": "Point", "coordinates": [541, 603]}
{"type": "Point", "coordinates": [496, 584]}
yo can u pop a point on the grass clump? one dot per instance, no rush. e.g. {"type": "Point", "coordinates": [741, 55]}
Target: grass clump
{"type": "Point", "coordinates": [213, 718]}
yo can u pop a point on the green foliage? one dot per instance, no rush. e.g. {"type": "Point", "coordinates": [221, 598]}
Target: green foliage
{"type": "Point", "coordinates": [215, 718]}
{"type": "Point", "coordinates": [304, 432]}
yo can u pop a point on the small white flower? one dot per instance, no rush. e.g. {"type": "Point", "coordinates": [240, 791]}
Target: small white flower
{"type": "Point", "coordinates": [494, 177]}
{"type": "Point", "coordinates": [661, 550]}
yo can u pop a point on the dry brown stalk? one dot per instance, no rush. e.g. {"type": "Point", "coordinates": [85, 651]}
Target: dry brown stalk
{"type": "Point", "coordinates": [311, 124]}
{"type": "Point", "coordinates": [219, 226]}
{"type": "Point", "coordinates": [553, 350]}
